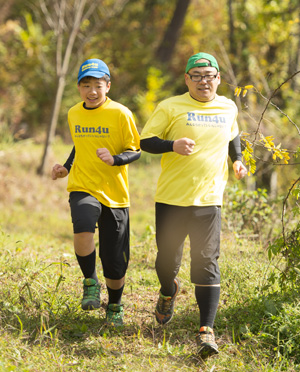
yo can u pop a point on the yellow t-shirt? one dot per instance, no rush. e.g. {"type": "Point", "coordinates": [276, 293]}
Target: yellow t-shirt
{"type": "Point", "coordinates": [200, 178]}
{"type": "Point", "coordinates": [111, 126]}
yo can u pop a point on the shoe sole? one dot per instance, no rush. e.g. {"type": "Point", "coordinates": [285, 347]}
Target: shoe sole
{"type": "Point", "coordinates": [162, 321]}
{"type": "Point", "coordinates": [89, 307]}
{"type": "Point", "coordinates": [207, 351]}
{"type": "Point", "coordinates": [113, 325]}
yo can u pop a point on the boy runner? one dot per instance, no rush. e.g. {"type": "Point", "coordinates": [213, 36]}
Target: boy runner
{"type": "Point", "coordinates": [105, 142]}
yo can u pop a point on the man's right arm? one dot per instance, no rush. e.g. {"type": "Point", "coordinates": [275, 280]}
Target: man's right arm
{"type": "Point", "coordinates": [155, 145]}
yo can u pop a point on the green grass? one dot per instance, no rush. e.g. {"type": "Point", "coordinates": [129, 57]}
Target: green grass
{"type": "Point", "coordinates": [42, 327]}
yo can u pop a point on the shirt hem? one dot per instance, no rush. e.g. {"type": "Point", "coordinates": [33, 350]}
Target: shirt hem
{"type": "Point", "coordinates": [182, 204]}
{"type": "Point", "coordinates": [102, 200]}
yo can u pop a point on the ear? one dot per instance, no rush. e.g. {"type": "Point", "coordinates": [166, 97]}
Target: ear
{"type": "Point", "coordinates": [219, 78]}
{"type": "Point", "coordinates": [186, 78]}
{"type": "Point", "coordinates": [108, 87]}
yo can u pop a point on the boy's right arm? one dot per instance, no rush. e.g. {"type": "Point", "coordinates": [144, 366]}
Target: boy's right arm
{"type": "Point", "coordinates": [61, 171]}
{"type": "Point", "coordinates": [58, 171]}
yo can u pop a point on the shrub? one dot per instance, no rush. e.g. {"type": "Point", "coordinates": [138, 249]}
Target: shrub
{"type": "Point", "coordinates": [249, 214]}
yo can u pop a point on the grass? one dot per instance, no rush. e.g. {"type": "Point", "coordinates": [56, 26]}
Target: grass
{"type": "Point", "coordinates": [42, 327]}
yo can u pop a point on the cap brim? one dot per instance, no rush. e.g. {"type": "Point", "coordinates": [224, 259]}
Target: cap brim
{"type": "Point", "coordinates": [95, 74]}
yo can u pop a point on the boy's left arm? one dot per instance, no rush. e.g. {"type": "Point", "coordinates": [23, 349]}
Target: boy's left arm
{"type": "Point", "coordinates": [125, 157]}
{"type": "Point", "coordinates": [104, 155]}
{"type": "Point", "coordinates": [131, 143]}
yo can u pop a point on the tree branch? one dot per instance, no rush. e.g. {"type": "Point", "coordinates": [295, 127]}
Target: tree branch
{"type": "Point", "coordinates": [269, 101]}
{"type": "Point", "coordinates": [284, 209]}
{"type": "Point", "coordinates": [60, 30]}
{"type": "Point", "coordinates": [283, 113]}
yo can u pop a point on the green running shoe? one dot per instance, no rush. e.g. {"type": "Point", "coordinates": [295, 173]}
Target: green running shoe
{"type": "Point", "coordinates": [206, 342]}
{"type": "Point", "coordinates": [91, 294]}
{"type": "Point", "coordinates": [165, 305]}
{"type": "Point", "coordinates": [114, 315]}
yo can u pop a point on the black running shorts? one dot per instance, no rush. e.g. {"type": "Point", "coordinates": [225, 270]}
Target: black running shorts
{"type": "Point", "coordinates": [203, 226]}
{"type": "Point", "coordinates": [113, 224]}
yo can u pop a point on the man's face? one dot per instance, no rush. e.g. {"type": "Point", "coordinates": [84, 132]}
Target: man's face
{"type": "Point", "coordinates": [93, 91]}
{"type": "Point", "coordinates": [204, 90]}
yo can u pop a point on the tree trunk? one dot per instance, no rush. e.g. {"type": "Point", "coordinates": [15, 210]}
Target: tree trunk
{"type": "Point", "coordinates": [166, 49]}
{"type": "Point", "coordinates": [62, 69]}
{"type": "Point", "coordinates": [5, 10]}
{"type": "Point", "coordinates": [232, 46]}
{"type": "Point", "coordinates": [294, 64]}
{"type": "Point", "coordinates": [53, 124]}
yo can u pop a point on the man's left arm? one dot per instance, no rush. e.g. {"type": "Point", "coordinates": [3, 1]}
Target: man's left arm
{"type": "Point", "coordinates": [235, 154]}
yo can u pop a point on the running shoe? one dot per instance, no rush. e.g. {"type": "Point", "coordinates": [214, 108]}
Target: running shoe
{"type": "Point", "coordinates": [114, 315]}
{"type": "Point", "coordinates": [91, 294]}
{"type": "Point", "coordinates": [165, 305]}
{"type": "Point", "coordinates": [206, 342]}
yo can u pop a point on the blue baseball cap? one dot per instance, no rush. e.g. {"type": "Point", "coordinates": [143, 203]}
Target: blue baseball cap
{"type": "Point", "coordinates": [93, 67]}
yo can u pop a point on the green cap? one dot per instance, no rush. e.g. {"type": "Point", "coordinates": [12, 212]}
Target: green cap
{"type": "Point", "coordinates": [192, 62]}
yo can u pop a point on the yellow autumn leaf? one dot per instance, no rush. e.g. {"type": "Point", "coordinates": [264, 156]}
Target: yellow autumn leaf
{"type": "Point", "coordinates": [249, 148]}
{"type": "Point", "coordinates": [238, 91]}
{"type": "Point", "coordinates": [269, 138]}
{"type": "Point", "coordinates": [248, 87]}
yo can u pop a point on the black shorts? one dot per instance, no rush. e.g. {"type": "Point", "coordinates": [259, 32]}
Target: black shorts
{"type": "Point", "coordinates": [113, 224]}
{"type": "Point", "coordinates": [203, 226]}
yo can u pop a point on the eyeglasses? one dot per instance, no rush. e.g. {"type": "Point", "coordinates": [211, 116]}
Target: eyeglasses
{"type": "Point", "coordinates": [198, 78]}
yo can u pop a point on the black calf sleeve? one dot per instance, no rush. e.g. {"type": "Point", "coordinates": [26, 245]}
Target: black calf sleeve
{"type": "Point", "coordinates": [208, 300]}
{"type": "Point", "coordinates": [88, 265]}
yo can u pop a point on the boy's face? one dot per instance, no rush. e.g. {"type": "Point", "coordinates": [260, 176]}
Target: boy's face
{"type": "Point", "coordinates": [93, 91]}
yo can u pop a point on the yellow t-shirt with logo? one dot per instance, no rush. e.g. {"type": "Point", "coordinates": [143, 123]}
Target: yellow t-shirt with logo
{"type": "Point", "coordinates": [111, 126]}
{"type": "Point", "coordinates": [200, 178]}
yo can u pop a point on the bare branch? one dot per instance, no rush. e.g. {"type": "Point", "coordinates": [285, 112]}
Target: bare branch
{"type": "Point", "coordinates": [47, 15]}
{"type": "Point", "coordinates": [283, 113]}
{"type": "Point", "coordinates": [114, 9]}
{"type": "Point", "coordinates": [230, 70]}
{"type": "Point", "coordinates": [74, 32]}
{"type": "Point", "coordinates": [90, 11]}
{"type": "Point", "coordinates": [60, 30]}
{"type": "Point", "coordinates": [284, 209]}
{"type": "Point", "coordinates": [269, 101]}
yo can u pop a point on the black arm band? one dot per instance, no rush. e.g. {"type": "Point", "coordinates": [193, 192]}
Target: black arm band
{"type": "Point", "coordinates": [126, 157]}
{"type": "Point", "coordinates": [69, 162]}
{"type": "Point", "coordinates": [234, 149]}
{"type": "Point", "coordinates": [155, 145]}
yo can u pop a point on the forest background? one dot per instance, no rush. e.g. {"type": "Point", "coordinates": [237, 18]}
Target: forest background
{"type": "Point", "coordinates": [146, 44]}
